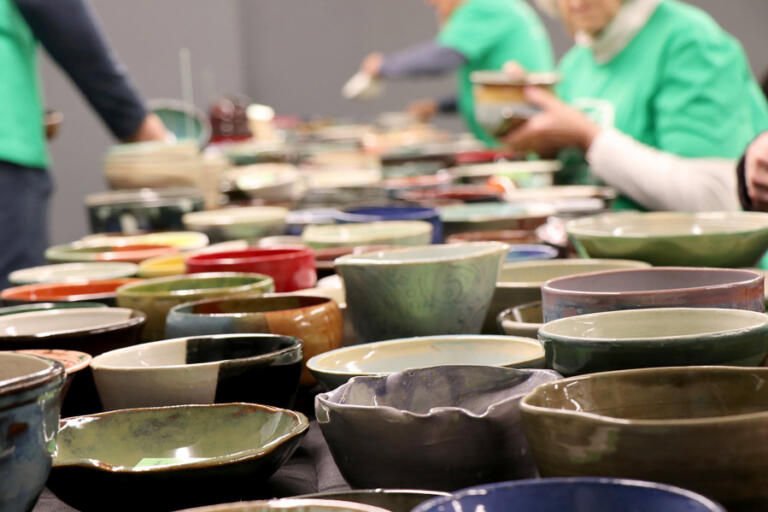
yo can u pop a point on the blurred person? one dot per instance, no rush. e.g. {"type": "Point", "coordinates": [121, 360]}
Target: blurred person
{"type": "Point", "coordinates": [752, 173]}
{"type": "Point", "coordinates": [69, 32]}
{"type": "Point", "coordinates": [656, 100]}
{"type": "Point", "coordinates": [474, 35]}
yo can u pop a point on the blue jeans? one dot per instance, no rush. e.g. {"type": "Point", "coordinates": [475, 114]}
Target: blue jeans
{"type": "Point", "coordinates": [24, 193]}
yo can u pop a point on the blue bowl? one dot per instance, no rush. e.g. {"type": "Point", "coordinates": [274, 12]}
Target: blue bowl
{"type": "Point", "coordinates": [573, 495]}
{"type": "Point", "coordinates": [530, 252]}
{"type": "Point", "coordinates": [384, 213]}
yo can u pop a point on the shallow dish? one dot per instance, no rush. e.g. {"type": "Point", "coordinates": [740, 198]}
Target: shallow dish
{"type": "Point", "coordinates": [393, 500]}
{"type": "Point", "coordinates": [523, 320]}
{"type": "Point", "coordinates": [573, 495]}
{"type": "Point", "coordinates": [697, 427]}
{"type": "Point", "coordinates": [80, 251]}
{"type": "Point", "coordinates": [101, 290]}
{"type": "Point", "coordinates": [290, 504]}
{"type": "Point", "coordinates": [174, 265]}
{"type": "Point", "coordinates": [316, 321]}
{"type": "Point", "coordinates": [437, 289]}
{"type": "Point", "coordinates": [250, 222]}
{"type": "Point", "coordinates": [442, 428]}
{"type": "Point", "coordinates": [172, 454]}
{"type": "Point", "coordinates": [640, 338]}
{"type": "Point", "coordinates": [652, 288]}
{"type": "Point", "coordinates": [406, 232]}
{"type": "Point", "coordinates": [66, 272]}
{"type": "Point", "coordinates": [391, 213]}
{"type": "Point", "coordinates": [258, 368]}
{"type": "Point", "coordinates": [184, 240]}
{"type": "Point", "coordinates": [714, 239]}
{"type": "Point", "coordinates": [156, 297]}
{"type": "Point", "coordinates": [335, 368]}
{"type": "Point", "coordinates": [493, 216]}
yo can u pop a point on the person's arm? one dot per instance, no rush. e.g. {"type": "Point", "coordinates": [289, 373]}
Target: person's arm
{"type": "Point", "coordinates": [70, 34]}
{"type": "Point", "coordinates": [427, 59]}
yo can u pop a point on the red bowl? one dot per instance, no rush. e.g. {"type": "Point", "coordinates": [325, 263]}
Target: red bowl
{"type": "Point", "coordinates": [292, 268]}
{"type": "Point", "coordinates": [100, 290]}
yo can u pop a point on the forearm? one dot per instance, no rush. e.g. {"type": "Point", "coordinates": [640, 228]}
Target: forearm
{"type": "Point", "coordinates": [69, 32]}
{"type": "Point", "coordinates": [427, 59]}
{"type": "Point", "coordinates": [662, 181]}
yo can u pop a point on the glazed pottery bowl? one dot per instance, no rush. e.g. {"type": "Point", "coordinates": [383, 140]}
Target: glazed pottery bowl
{"type": "Point", "coordinates": [442, 428]}
{"type": "Point", "coordinates": [530, 252]}
{"type": "Point", "coordinates": [714, 239]}
{"type": "Point", "coordinates": [652, 288]}
{"type": "Point", "coordinates": [383, 358]}
{"type": "Point", "coordinates": [507, 236]}
{"type": "Point", "coordinates": [298, 220]}
{"type": "Point", "coordinates": [698, 427]}
{"type": "Point", "coordinates": [393, 500]}
{"type": "Point", "coordinates": [80, 251]}
{"type": "Point", "coordinates": [406, 232]}
{"type": "Point", "coordinates": [101, 290]}
{"type": "Point", "coordinates": [156, 297]}
{"type": "Point", "coordinates": [183, 240]}
{"type": "Point", "coordinates": [573, 495]}
{"type": "Point", "coordinates": [89, 330]}
{"type": "Point", "coordinates": [65, 272]}
{"type": "Point", "coordinates": [250, 222]}
{"type": "Point", "coordinates": [172, 454]}
{"type": "Point", "coordinates": [325, 258]}
{"type": "Point", "coordinates": [640, 338]}
{"type": "Point", "coordinates": [389, 213]}
{"type": "Point", "coordinates": [78, 392]}
{"type": "Point", "coordinates": [316, 321]}
{"type": "Point", "coordinates": [437, 289]}
{"type": "Point", "coordinates": [30, 387]}
{"type": "Point", "coordinates": [457, 194]}
{"type": "Point", "coordinates": [258, 368]}
{"type": "Point", "coordinates": [175, 264]}
{"type": "Point", "coordinates": [292, 268]}
{"type": "Point", "coordinates": [523, 320]}
{"type": "Point", "coordinates": [494, 216]}
{"type": "Point", "coordinates": [44, 306]}
{"type": "Point", "coordinates": [291, 505]}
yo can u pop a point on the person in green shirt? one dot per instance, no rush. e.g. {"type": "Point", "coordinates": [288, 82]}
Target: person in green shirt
{"type": "Point", "coordinates": [474, 35]}
{"type": "Point", "coordinates": [657, 97]}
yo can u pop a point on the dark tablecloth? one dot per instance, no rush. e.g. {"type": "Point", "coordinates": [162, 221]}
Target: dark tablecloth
{"type": "Point", "coordinates": [310, 470]}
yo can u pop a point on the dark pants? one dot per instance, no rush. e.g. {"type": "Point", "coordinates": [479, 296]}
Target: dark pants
{"type": "Point", "coordinates": [24, 193]}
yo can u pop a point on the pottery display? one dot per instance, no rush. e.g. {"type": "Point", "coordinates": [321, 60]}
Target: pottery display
{"type": "Point", "coordinates": [714, 239]}
{"type": "Point", "coordinates": [572, 495]}
{"type": "Point", "coordinates": [174, 264]}
{"type": "Point", "coordinates": [297, 220]}
{"type": "Point", "coordinates": [255, 368]}
{"type": "Point", "coordinates": [29, 413]}
{"type": "Point", "coordinates": [250, 223]}
{"type": "Point", "coordinates": [27, 307]}
{"type": "Point", "coordinates": [530, 252]}
{"type": "Point", "coordinates": [507, 236]}
{"type": "Point", "coordinates": [316, 321]}
{"type": "Point", "coordinates": [89, 330]}
{"type": "Point", "coordinates": [290, 505]}
{"type": "Point", "coordinates": [522, 173]}
{"type": "Point", "coordinates": [438, 428]}
{"type": "Point", "coordinates": [390, 213]}
{"type": "Point", "coordinates": [639, 338]}
{"type": "Point", "coordinates": [523, 320]}
{"type": "Point", "coordinates": [156, 297]}
{"type": "Point", "coordinates": [268, 181]}
{"type": "Point", "coordinates": [184, 240]}
{"type": "Point", "coordinates": [101, 290]}
{"type": "Point", "coordinates": [291, 268]}
{"type": "Point", "coordinates": [82, 251]}
{"type": "Point", "coordinates": [696, 427]}
{"type": "Point", "coordinates": [406, 232]}
{"type": "Point", "coordinates": [493, 216]}
{"type": "Point", "coordinates": [66, 272]}
{"type": "Point", "coordinates": [383, 358]}
{"type": "Point", "coordinates": [652, 288]}
{"type": "Point", "coordinates": [172, 454]}
{"type": "Point", "coordinates": [393, 500]}
{"type": "Point", "coordinates": [454, 194]}
{"type": "Point", "coordinates": [418, 291]}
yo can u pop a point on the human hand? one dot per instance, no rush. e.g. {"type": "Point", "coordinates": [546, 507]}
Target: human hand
{"type": "Point", "coordinates": [151, 129]}
{"type": "Point", "coordinates": [423, 110]}
{"type": "Point", "coordinates": [556, 126]}
{"type": "Point", "coordinates": [371, 64]}
{"type": "Point", "coordinates": [756, 172]}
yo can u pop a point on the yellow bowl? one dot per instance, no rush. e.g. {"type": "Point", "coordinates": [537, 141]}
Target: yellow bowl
{"type": "Point", "coordinates": [163, 266]}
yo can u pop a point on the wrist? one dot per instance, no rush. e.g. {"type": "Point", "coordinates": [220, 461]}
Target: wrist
{"type": "Point", "coordinates": [587, 135]}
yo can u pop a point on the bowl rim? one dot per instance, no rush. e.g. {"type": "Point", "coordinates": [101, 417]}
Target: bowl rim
{"type": "Point", "coordinates": [289, 504]}
{"type": "Point", "coordinates": [284, 254]}
{"type": "Point", "coordinates": [223, 216]}
{"type": "Point", "coordinates": [12, 292]}
{"type": "Point", "coordinates": [122, 268]}
{"type": "Point", "coordinates": [525, 210]}
{"type": "Point", "coordinates": [53, 370]}
{"type": "Point", "coordinates": [365, 259]}
{"type": "Point", "coordinates": [301, 425]}
{"type": "Point", "coordinates": [135, 318]}
{"type": "Point", "coordinates": [366, 231]}
{"type": "Point", "coordinates": [143, 197]}
{"type": "Point", "coordinates": [527, 407]}
{"type": "Point", "coordinates": [68, 370]}
{"type": "Point", "coordinates": [396, 212]}
{"type": "Point", "coordinates": [179, 310]}
{"type": "Point", "coordinates": [507, 316]}
{"type": "Point", "coordinates": [568, 262]}
{"type": "Point", "coordinates": [259, 280]}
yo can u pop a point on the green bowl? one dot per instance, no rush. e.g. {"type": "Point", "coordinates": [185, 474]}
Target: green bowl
{"type": "Point", "coordinates": [523, 320]}
{"type": "Point", "coordinates": [716, 239]}
{"type": "Point", "coordinates": [640, 338]}
{"type": "Point", "coordinates": [171, 457]}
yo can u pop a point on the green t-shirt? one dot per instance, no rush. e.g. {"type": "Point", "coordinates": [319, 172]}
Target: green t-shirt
{"type": "Point", "coordinates": [489, 33]}
{"type": "Point", "coordinates": [682, 85]}
{"type": "Point", "coordinates": [22, 136]}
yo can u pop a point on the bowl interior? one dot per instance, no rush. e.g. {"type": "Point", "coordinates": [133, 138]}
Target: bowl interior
{"type": "Point", "coordinates": [528, 313]}
{"type": "Point", "coordinates": [192, 283]}
{"type": "Point", "coordinates": [246, 305]}
{"type": "Point", "coordinates": [539, 272]}
{"type": "Point", "coordinates": [425, 254]}
{"type": "Point", "coordinates": [74, 271]}
{"type": "Point", "coordinates": [260, 254]}
{"type": "Point", "coordinates": [15, 366]}
{"type": "Point", "coordinates": [56, 321]}
{"type": "Point", "coordinates": [652, 279]}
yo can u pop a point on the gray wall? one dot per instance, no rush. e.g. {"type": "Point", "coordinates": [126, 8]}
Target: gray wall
{"type": "Point", "coordinates": [292, 54]}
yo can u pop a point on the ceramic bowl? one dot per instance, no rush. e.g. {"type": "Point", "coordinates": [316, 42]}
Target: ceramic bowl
{"type": "Point", "coordinates": [279, 241]}
{"type": "Point", "coordinates": [457, 194]}
{"type": "Point", "coordinates": [390, 213]}
{"type": "Point", "coordinates": [698, 427]}
{"type": "Point", "coordinates": [530, 252]}
{"type": "Point", "coordinates": [78, 392]}
{"type": "Point", "coordinates": [89, 330]}
{"type": "Point", "coordinates": [325, 258]}
{"type": "Point", "coordinates": [290, 504]}
{"type": "Point", "coordinates": [44, 306]}
{"type": "Point", "coordinates": [437, 289]}
{"type": "Point", "coordinates": [80, 252]}
{"type": "Point", "coordinates": [406, 232]}
{"type": "Point", "coordinates": [172, 454]}
{"type": "Point", "coordinates": [174, 265]}
{"type": "Point", "coordinates": [258, 368]}
{"type": "Point", "coordinates": [715, 239]}
{"type": "Point", "coordinates": [652, 288]}
{"type": "Point", "coordinates": [573, 495]}
{"type": "Point", "coordinates": [130, 211]}
{"type": "Point", "coordinates": [292, 268]}
{"type": "Point", "coordinates": [268, 182]}
{"type": "Point", "coordinates": [640, 338]}
{"type": "Point", "coordinates": [523, 320]}
{"type": "Point", "coordinates": [29, 412]}
{"type": "Point", "coordinates": [250, 222]}
{"type": "Point", "coordinates": [393, 500]}
{"type": "Point", "coordinates": [156, 297]}
{"type": "Point", "coordinates": [383, 358]}
{"type": "Point", "coordinates": [442, 428]}
{"type": "Point", "coordinates": [183, 240]}
{"type": "Point", "coordinates": [523, 174]}
{"type": "Point", "coordinates": [102, 290]}
{"type": "Point", "coordinates": [493, 216]}
{"type": "Point", "coordinates": [316, 321]}
{"type": "Point", "coordinates": [298, 220]}
{"type": "Point", "coordinates": [65, 272]}
{"type": "Point", "coordinates": [507, 236]}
